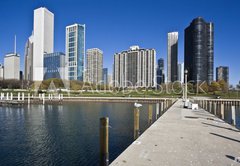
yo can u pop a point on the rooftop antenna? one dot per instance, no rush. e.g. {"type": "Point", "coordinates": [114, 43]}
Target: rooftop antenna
{"type": "Point", "coordinates": [15, 45]}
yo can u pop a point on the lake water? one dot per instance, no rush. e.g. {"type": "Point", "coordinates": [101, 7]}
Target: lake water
{"type": "Point", "coordinates": [65, 134]}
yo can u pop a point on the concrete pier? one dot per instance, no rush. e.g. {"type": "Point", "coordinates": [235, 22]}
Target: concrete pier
{"type": "Point", "coordinates": [184, 137]}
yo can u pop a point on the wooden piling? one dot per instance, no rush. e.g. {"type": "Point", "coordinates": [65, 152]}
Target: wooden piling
{"type": "Point", "coordinates": [162, 108]}
{"type": "Point", "coordinates": [150, 109]}
{"type": "Point", "coordinates": [233, 116]}
{"type": "Point", "coordinates": [222, 111]}
{"type": "Point", "coordinates": [104, 138]}
{"type": "Point", "coordinates": [136, 123]}
{"type": "Point", "coordinates": [22, 96]}
{"type": "Point", "coordinates": [7, 97]}
{"type": "Point", "coordinates": [157, 111]}
{"type": "Point", "coordinates": [18, 96]}
{"type": "Point", "coordinates": [43, 98]}
{"type": "Point", "coordinates": [28, 98]}
{"type": "Point", "coordinates": [215, 108]}
{"type": "Point", "coordinates": [210, 106]}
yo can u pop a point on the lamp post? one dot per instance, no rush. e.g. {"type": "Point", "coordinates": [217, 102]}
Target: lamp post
{"type": "Point", "coordinates": [185, 96]}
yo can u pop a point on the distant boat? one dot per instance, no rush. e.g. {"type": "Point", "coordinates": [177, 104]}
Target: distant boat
{"type": "Point", "coordinates": [137, 105]}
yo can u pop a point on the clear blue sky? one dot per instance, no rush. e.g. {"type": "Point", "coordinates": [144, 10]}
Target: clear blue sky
{"type": "Point", "coordinates": [114, 25]}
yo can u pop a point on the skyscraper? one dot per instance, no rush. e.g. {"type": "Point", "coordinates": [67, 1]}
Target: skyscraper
{"type": "Point", "coordinates": [135, 68]}
{"type": "Point", "coordinates": [28, 70]}
{"type": "Point", "coordinates": [54, 65]}
{"type": "Point", "coordinates": [172, 58]}
{"type": "Point", "coordinates": [75, 51]}
{"type": "Point", "coordinates": [222, 73]}
{"type": "Point", "coordinates": [94, 65]}
{"type": "Point", "coordinates": [181, 72]}
{"type": "Point", "coordinates": [43, 31]}
{"type": "Point", "coordinates": [160, 72]}
{"type": "Point", "coordinates": [11, 66]}
{"type": "Point", "coordinates": [1, 72]}
{"type": "Point", "coordinates": [199, 50]}
{"type": "Point", "coordinates": [105, 76]}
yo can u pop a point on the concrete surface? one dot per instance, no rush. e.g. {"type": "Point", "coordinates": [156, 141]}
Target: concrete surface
{"type": "Point", "coordinates": [183, 137]}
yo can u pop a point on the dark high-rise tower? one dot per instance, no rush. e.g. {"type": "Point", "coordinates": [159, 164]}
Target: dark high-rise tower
{"type": "Point", "coordinates": [222, 73]}
{"type": "Point", "coordinates": [160, 72]}
{"type": "Point", "coordinates": [198, 51]}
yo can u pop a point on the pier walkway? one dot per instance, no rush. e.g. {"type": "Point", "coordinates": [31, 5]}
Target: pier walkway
{"type": "Point", "coordinates": [184, 137]}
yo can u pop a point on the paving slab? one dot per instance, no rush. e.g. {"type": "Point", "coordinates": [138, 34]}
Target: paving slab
{"type": "Point", "coordinates": [183, 137]}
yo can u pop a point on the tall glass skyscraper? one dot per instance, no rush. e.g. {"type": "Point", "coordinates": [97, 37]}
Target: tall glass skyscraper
{"type": "Point", "coordinates": [160, 72]}
{"type": "Point", "coordinates": [199, 50]}
{"type": "Point", "coordinates": [105, 76]}
{"type": "Point", "coordinates": [54, 65]}
{"type": "Point", "coordinates": [172, 58]}
{"type": "Point", "coordinates": [75, 51]}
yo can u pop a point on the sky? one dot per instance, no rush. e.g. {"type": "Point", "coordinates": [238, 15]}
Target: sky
{"type": "Point", "coordinates": [115, 25]}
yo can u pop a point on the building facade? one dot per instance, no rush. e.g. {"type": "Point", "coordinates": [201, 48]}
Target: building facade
{"type": "Point", "coordinates": [105, 76]}
{"type": "Point", "coordinates": [11, 66]}
{"type": "Point", "coordinates": [54, 66]}
{"type": "Point", "coordinates": [94, 65]}
{"type": "Point", "coordinates": [160, 72]}
{"type": "Point", "coordinates": [1, 72]}
{"type": "Point", "coordinates": [28, 61]}
{"type": "Point", "coordinates": [199, 50]}
{"type": "Point", "coordinates": [222, 73]}
{"type": "Point", "coordinates": [43, 31]}
{"type": "Point", "coordinates": [135, 68]}
{"type": "Point", "coordinates": [181, 72]}
{"type": "Point", "coordinates": [172, 58]}
{"type": "Point", "coordinates": [75, 51]}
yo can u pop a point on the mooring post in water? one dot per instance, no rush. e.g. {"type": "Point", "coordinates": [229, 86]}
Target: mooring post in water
{"type": "Point", "coordinates": [22, 96]}
{"type": "Point", "coordinates": [161, 108]}
{"type": "Point", "coordinates": [210, 106]}
{"type": "Point", "coordinates": [164, 105]}
{"type": "Point", "coordinates": [157, 111]}
{"type": "Point", "coordinates": [136, 123]}
{"type": "Point", "coordinates": [222, 111]}
{"type": "Point", "coordinates": [104, 154]}
{"type": "Point", "coordinates": [43, 98]}
{"type": "Point", "coordinates": [11, 96]}
{"type": "Point", "coordinates": [7, 96]}
{"type": "Point", "coordinates": [18, 96]}
{"type": "Point", "coordinates": [233, 116]}
{"type": "Point", "coordinates": [150, 112]}
{"type": "Point", "coordinates": [28, 98]}
{"type": "Point", "coordinates": [215, 108]}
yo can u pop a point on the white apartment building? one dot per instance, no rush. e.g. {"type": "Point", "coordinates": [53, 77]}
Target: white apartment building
{"type": "Point", "coordinates": [135, 67]}
{"type": "Point", "coordinates": [94, 65]}
{"type": "Point", "coordinates": [11, 66]}
{"type": "Point", "coordinates": [1, 72]}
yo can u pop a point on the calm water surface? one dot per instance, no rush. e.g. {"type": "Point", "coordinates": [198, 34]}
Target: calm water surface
{"type": "Point", "coordinates": [64, 134]}
{"type": "Point", "coordinates": [67, 134]}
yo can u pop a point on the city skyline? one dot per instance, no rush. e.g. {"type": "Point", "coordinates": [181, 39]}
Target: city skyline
{"type": "Point", "coordinates": [141, 36]}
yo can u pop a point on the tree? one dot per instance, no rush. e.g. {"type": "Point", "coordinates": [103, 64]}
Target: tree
{"type": "Point", "coordinates": [214, 86]}
{"type": "Point", "coordinates": [223, 85]}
